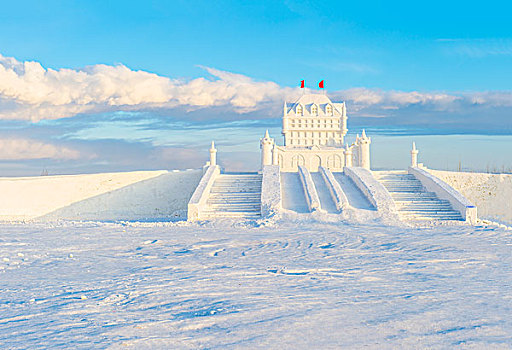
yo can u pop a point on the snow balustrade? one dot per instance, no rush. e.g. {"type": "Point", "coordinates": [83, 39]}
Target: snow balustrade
{"type": "Point", "coordinates": [308, 185]}
{"type": "Point", "coordinates": [376, 193]}
{"type": "Point", "coordinates": [446, 192]}
{"type": "Point", "coordinates": [337, 194]}
{"type": "Point", "coordinates": [271, 199]}
{"type": "Point", "coordinates": [198, 201]}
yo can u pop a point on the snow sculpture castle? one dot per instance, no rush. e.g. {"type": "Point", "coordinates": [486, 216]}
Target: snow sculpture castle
{"type": "Point", "coordinates": [314, 130]}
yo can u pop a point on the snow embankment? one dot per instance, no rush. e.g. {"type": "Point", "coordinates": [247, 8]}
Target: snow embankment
{"type": "Point", "coordinates": [491, 193]}
{"type": "Point", "coordinates": [138, 195]}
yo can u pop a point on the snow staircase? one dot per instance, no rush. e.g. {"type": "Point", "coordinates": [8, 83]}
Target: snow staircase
{"type": "Point", "coordinates": [235, 195]}
{"type": "Point", "coordinates": [412, 201]}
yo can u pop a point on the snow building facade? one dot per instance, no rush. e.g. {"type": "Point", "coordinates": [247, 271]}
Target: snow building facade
{"type": "Point", "coordinates": [314, 130]}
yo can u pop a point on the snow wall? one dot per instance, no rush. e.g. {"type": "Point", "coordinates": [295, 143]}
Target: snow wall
{"type": "Point", "coordinates": [491, 193]}
{"type": "Point", "coordinates": [138, 195]}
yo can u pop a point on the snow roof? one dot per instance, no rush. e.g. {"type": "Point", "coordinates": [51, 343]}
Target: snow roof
{"type": "Point", "coordinates": [313, 98]}
{"type": "Point", "coordinates": [318, 99]}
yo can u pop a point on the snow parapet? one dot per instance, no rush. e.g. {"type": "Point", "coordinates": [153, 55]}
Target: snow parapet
{"type": "Point", "coordinates": [271, 198]}
{"type": "Point", "coordinates": [199, 198]}
{"type": "Point", "coordinates": [447, 192]}
{"type": "Point", "coordinates": [372, 189]}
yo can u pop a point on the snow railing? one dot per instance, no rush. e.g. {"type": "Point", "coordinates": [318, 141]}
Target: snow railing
{"type": "Point", "coordinates": [309, 189]}
{"type": "Point", "coordinates": [198, 200]}
{"type": "Point", "coordinates": [446, 192]}
{"type": "Point", "coordinates": [337, 194]}
{"type": "Point", "coordinates": [372, 189]}
{"type": "Point", "coordinates": [271, 200]}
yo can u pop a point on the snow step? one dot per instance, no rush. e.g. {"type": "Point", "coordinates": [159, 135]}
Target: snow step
{"type": "Point", "coordinates": [413, 201]}
{"type": "Point", "coordinates": [235, 196]}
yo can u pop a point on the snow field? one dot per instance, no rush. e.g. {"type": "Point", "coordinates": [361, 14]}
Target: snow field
{"type": "Point", "coordinates": [297, 284]}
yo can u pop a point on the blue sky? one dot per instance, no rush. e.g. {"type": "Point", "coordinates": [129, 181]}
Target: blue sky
{"type": "Point", "coordinates": [158, 79]}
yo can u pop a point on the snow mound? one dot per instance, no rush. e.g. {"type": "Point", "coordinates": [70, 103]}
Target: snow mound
{"type": "Point", "coordinates": [491, 193]}
{"type": "Point", "coordinates": [138, 195]}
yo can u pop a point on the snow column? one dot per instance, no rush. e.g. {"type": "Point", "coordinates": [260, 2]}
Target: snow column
{"type": "Point", "coordinates": [364, 151]}
{"type": "Point", "coordinates": [266, 145]}
{"type": "Point", "coordinates": [414, 155]}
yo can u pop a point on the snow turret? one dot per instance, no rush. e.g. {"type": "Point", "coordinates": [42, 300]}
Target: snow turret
{"type": "Point", "coordinates": [267, 146]}
{"type": "Point", "coordinates": [364, 151]}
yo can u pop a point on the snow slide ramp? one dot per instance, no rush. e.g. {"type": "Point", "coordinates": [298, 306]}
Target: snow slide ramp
{"type": "Point", "coordinates": [292, 191]}
{"type": "Point", "coordinates": [326, 201]}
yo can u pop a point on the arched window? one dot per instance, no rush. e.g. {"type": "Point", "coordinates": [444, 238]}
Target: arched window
{"type": "Point", "coordinates": [328, 109]}
{"type": "Point", "coordinates": [299, 110]}
{"type": "Point", "coordinates": [314, 109]}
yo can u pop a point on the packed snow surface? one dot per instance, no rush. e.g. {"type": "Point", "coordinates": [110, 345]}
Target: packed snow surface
{"type": "Point", "coordinates": [289, 284]}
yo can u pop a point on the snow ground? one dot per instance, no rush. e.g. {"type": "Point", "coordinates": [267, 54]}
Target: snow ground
{"type": "Point", "coordinates": [291, 284]}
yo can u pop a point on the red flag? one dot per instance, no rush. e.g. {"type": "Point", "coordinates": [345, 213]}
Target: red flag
{"type": "Point", "coordinates": [321, 84]}
{"type": "Point", "coordinates": [302, 84]}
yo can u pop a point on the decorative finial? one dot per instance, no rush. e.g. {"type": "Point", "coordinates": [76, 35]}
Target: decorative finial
{"type": "Point", "coordinates": [414, 146]}
{"type": "Point", "coordinates": [213, 145]}
{"type": "Point", "coordinates": [363, 134]}
{"type": "Point", "coordinates": [267, 136]}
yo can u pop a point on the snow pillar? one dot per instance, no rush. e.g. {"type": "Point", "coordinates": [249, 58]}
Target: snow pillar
{"type": "Point", "coordinates": [213, 155]}
{"type": "Point", "coordinates": [364, 151]}
{"type": "Point", "coordinates": [414, 156]}
{"type": "Point", "coordinates": [348, 156]}
{"type": "Point", "coordinates": [266, 145]}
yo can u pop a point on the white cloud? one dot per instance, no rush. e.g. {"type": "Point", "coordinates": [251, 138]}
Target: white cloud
{"type": "Point", "coordinates": [393, 99]}
{"type": "Point", "coordinates": [31, 92]}
{"type": "Point", "coordinates": [26, 149]}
